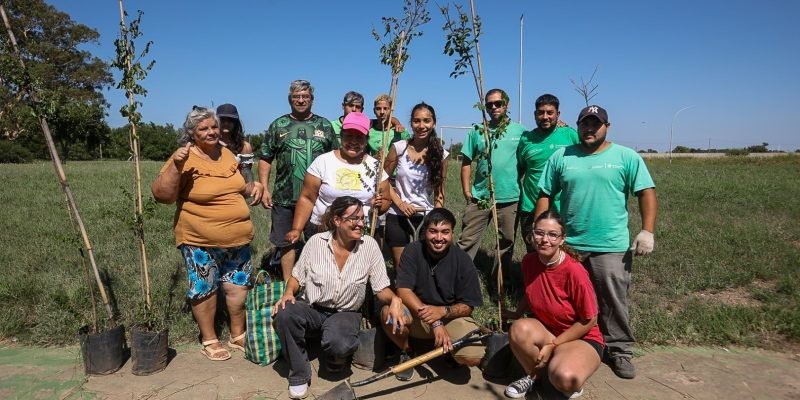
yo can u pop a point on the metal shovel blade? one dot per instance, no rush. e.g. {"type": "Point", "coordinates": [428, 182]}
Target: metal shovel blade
{"type": "Point", "coordinates": [342, 391]}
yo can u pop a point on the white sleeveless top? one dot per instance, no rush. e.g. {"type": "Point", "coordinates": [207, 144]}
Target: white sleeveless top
{"type": "Point", "coordinates": [411, 182]}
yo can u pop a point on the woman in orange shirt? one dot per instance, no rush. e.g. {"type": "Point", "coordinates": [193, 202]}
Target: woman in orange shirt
{"type": "Point", "coordinates": [212, 225]}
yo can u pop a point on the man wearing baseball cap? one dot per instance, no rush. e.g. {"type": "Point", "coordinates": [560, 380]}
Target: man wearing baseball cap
{"type": "Point", "coordinates": [595, 178]}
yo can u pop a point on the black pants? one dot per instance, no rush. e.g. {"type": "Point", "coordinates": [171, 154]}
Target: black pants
{"type": "Point", "coordinates": [339, 336]}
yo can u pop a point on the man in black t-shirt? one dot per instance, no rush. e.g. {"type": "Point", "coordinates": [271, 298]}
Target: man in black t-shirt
{"type": "Point", "coordinates": [439, 285]}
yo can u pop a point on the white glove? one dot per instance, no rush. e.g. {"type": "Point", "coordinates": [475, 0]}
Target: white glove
{"type": "Point", "coordinates": [643, 243]}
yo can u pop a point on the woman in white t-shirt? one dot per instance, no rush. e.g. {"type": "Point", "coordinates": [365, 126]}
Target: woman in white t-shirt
{"type": "Point", "coordinates": [347, 171]}
{"type": "Point", "coordinates": [420, 171]}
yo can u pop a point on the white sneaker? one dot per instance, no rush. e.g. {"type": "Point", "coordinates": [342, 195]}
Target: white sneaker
{"type": "Point", "coordinates": [573, 395]}
{"type": "Point", "coordinates": [520, 388]}
{"type": "Point", "coordinates": [299, 391]}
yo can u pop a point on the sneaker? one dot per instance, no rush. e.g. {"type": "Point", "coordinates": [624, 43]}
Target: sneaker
{"type": "Point", "coordinates": [520, 388]}
{"type": "Point", "coordinates": [573, 395]}
{"type": "Point", "coordinates": [408, 374]}
{"type": "Point", "coordinates": [298, 391]}
{"type": "Point", "coordinates": [622, 367]}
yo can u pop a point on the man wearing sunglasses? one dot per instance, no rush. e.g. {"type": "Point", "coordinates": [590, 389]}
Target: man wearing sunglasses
{"type": "Point", "coordinates": [595, 178]}
{"type": "Point", "coordinates": [504, 137]}
{"type": "Point", "coordinates": [292, 142]}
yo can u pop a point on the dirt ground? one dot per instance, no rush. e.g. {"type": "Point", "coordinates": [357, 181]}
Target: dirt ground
{"type": "Point", "coordinates": [664, 373]}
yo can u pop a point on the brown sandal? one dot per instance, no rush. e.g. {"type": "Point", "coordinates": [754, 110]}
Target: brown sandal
{"type": "Point", "coordinates": [211, 353]}
{"type": "Point", "coordinates": [232, 342]}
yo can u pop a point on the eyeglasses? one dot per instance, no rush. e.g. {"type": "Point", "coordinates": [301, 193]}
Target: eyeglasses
{"type": "Point", "coordinates": [495, 104]}
{"type": "Point", "coordinates": [355, 220]}
{"type": "Point", "coordinates": [301, 97]}
{"type": "Point", "coordinates": [551, 236]}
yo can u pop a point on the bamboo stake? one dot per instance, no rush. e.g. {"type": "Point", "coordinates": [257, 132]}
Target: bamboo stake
{"type": "Point", "coordinates": [134, 140]}
{"type": "Point", "coordinates": [85, 270]}
{"type": "Point", "coordinates": [479, 83]}
{"type": "Point", "coordinates": [382, 151]}
{"type": "Point", "coordinates": [62, 178]}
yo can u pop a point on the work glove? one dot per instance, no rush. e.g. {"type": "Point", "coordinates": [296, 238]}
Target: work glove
{"type": "Point", "coordinates": [643, 243]}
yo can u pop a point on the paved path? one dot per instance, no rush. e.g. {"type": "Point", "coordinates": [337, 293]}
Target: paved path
{"type": "Point", "coordinates": [664, 373]}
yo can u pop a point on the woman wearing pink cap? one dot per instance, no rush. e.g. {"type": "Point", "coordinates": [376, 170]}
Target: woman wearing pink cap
{"type": "Point", "coordinates": [347, 171]}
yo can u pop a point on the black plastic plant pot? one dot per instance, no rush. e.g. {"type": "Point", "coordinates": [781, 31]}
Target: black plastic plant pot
{"type": "Point", "coordinates": [149, 350]}
{"type": "Point", "coordinates": [104, 352]}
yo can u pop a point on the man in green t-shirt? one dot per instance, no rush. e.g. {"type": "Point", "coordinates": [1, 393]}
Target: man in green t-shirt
{"type": "Point", "coordinates": [292, 142]}
{"type": "Point", "coordinates": [353, 101]}
{"type": "Point", "coordinates": [595, 179]}
{"type": "Point", "coordinates": [382, 108]}
{"type": "Point", "coordinates": [535, 147]}
{"type": "Point", "coordinates": [504, 173]}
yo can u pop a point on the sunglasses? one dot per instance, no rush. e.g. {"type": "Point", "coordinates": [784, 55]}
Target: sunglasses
{"type": "Point", "coordinates": [495, 104]}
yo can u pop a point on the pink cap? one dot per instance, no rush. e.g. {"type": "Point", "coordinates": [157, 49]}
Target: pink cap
{"type": "Point", "coordinates": [356, 121]}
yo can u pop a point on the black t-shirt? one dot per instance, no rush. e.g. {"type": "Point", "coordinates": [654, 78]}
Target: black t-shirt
{"type": "Point", "coordinates": [447, 281]}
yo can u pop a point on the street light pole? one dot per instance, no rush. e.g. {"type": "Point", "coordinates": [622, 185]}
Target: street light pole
{"type": "Point", "coordinates": [670, 129]}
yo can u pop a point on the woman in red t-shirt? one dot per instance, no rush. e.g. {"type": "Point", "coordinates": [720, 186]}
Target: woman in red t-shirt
{"type": "Point", "coordinates": [563, 335]}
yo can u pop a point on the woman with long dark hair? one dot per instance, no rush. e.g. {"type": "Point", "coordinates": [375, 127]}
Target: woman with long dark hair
{"type": "Point", "coordinates": [420, 169]}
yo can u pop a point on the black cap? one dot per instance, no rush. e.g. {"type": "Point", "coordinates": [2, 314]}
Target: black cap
{"type": "Point", "coordinates": [593, 111]}
{"type": "Point", "coordinates": [228, 110]}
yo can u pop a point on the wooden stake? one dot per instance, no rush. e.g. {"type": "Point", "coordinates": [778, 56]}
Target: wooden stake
{"type": "Point", "coordinates": [479, 83]}
{"type": "Point", "coordinates": [385, 139]}
{"type": "Point", "coordinates": [62, 178]}
{"type": "Point", "coordinates": [134, 140]}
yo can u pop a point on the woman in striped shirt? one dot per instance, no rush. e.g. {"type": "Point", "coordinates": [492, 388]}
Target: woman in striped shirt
{"type": "Point", "coordinates": [326, 291]}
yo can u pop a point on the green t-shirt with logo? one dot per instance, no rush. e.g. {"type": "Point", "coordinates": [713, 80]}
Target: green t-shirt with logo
{"type": "Point", "coordinates": [594, 194]}
{"type": "Point", "coordinates": [533, 152]}
{"type": "Point", "coordinates": [290, 146]}
{"type": "Point", "coordinates": [504, 163]}
{"type": "Point", "coordinates": [376, 137]}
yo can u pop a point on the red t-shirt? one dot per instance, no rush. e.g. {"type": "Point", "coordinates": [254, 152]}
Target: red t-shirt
{"type": "Point", "coordinates": [560, 296]}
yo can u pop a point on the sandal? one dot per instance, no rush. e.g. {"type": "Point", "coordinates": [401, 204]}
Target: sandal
{"type": "Point", "coordinates": [211, 353]}
{"type": "Point", "coordinates": [232, 342]}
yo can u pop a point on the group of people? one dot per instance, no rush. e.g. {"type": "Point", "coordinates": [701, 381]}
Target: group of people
{"type": "Point", "coordinates": [330, 192]}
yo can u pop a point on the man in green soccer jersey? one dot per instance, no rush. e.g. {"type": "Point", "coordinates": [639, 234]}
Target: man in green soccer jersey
{"type": "Point", "coordinates": [292, 142]}
{"type": "Point", "coordinates": [595, 178]}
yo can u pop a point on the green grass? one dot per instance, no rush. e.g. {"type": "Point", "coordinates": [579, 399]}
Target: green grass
{"type": "Point", "coordinates": [725, 226]}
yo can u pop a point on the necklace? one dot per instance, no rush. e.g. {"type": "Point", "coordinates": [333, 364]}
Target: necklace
{"type": "Point", "coordinates": [557, 261]}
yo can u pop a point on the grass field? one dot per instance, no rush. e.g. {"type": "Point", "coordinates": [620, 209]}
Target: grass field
{"type": "Point", "coordinates": [726, 269]}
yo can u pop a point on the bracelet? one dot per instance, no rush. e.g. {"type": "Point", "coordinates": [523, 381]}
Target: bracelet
{"type": "Point", "coordinates": [436, 324]}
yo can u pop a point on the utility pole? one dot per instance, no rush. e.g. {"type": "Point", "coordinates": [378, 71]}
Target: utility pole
{"type": "Point", "coordinates": [671, 126]}
{"type": "Point", "coordinates": [519, 102]}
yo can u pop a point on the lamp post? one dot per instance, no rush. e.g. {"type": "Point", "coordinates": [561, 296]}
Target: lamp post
{"type": "Point", "coordinates": [670, 129]}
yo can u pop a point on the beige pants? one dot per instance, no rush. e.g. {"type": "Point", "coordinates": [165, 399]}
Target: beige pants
{"type": "Point", "coordinates": [456, 328]}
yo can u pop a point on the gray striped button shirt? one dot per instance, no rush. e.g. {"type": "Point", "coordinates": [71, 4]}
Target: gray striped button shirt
{"type": "Point", "coordinates": [326, 286]}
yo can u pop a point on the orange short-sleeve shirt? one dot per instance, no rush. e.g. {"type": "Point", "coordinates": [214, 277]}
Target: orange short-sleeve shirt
{"type": "Point", "coordinates": [211, 210]}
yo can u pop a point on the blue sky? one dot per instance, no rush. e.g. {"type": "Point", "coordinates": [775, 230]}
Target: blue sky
{"type": "Point", "coordinates": [735, 62]}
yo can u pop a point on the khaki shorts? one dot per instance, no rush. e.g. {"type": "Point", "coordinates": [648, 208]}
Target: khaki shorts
{"type": "Point", "coordinates": [456, 328]}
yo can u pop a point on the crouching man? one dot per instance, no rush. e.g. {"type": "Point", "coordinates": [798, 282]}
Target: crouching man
{"type": "Point", "coordinates": [439, 284]}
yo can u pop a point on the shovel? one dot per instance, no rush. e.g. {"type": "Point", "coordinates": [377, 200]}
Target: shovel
{"type": "Point", "coordinates": [344, 390]}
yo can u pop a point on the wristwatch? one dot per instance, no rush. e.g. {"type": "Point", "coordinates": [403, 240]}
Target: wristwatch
{"type": "Point", "coordinates": [447, 311]}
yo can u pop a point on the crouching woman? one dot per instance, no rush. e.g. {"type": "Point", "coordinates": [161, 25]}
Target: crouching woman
{"type": "Point", "coordinates": [332, 274]}
{"type": "Point", "coordinates": [563, 336]}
